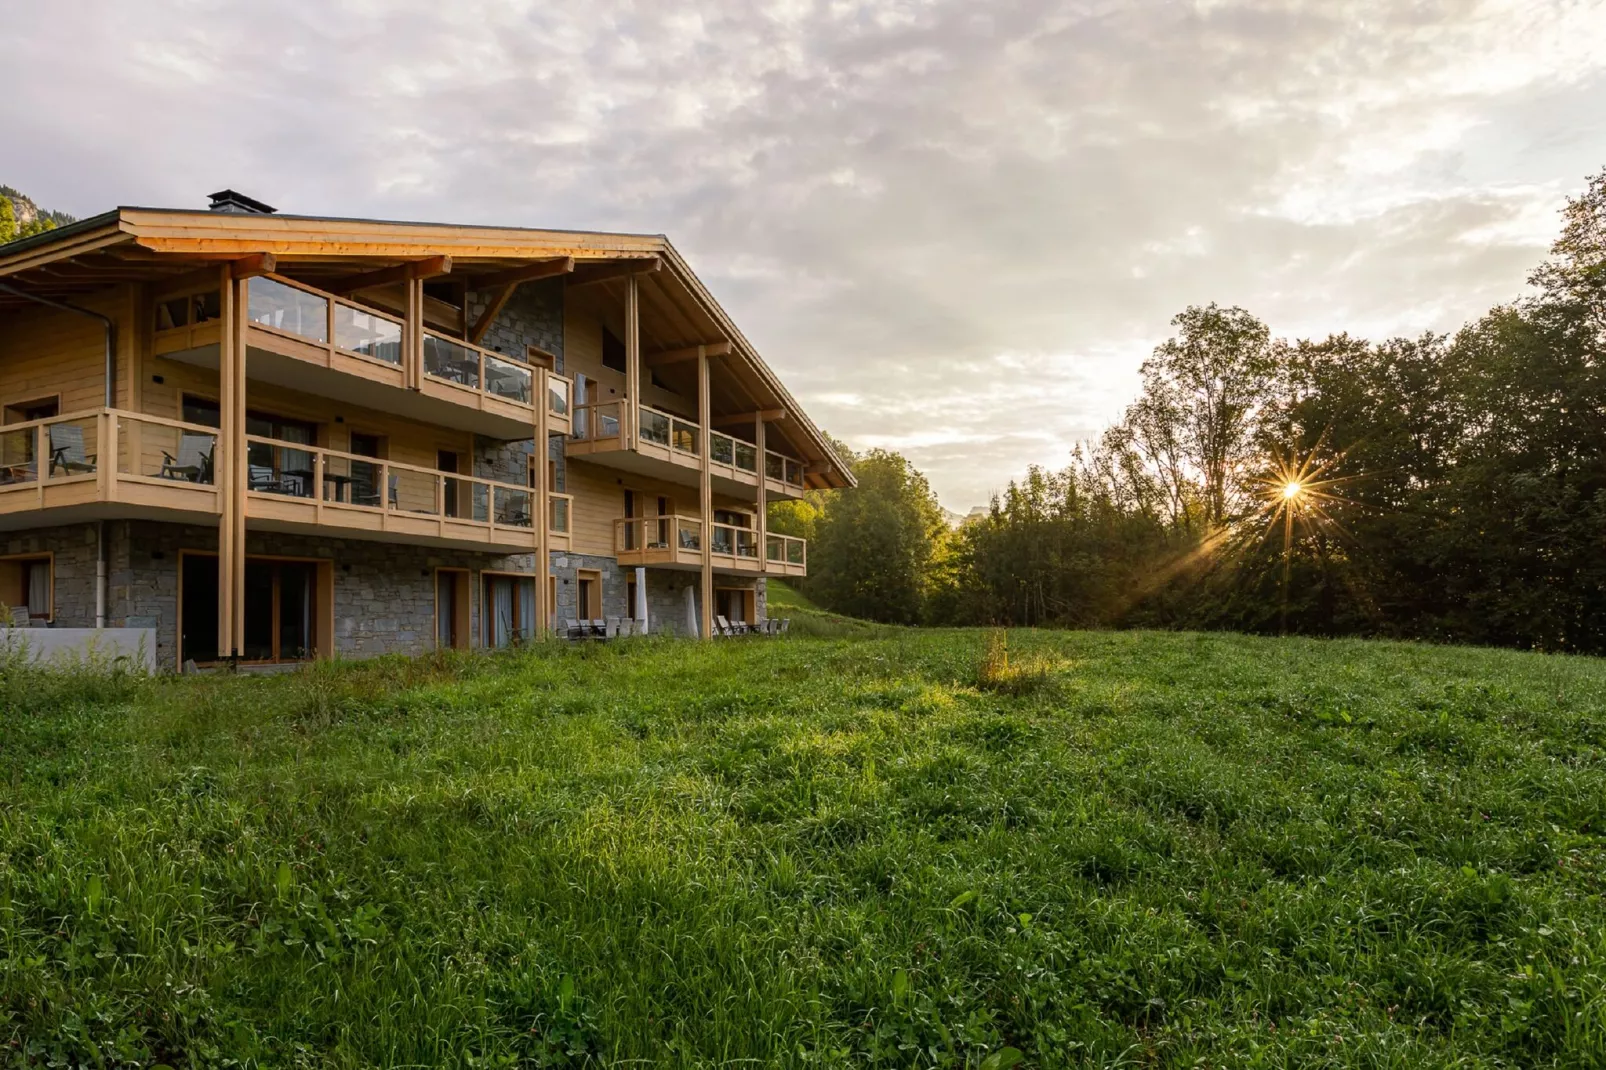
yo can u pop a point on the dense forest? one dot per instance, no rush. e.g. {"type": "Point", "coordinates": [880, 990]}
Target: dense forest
{"type": "Point", "coordinates": [1446, 487]}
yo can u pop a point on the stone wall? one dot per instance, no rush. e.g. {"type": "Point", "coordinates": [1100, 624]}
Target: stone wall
{"type": "Point", "coordinates": [73, 547]}
{"type": "Point", "coordinates": [533, 316]}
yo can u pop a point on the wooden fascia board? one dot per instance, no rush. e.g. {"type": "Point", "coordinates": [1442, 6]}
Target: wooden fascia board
{"type": "Point", "coordinates": [39, 256]}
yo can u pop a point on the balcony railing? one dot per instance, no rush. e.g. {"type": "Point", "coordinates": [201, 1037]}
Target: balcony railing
{"type": "Point", "coordinates": [299, 482]}
{"type": "Point", "coordinates": [787, 551]}
{"type": "Point", "coordinates": [596, 420]}
{"type": "Point", "coordinates": [103, 455]}
{"type": "Point", "coordinates": [322, 319]}
{"type": "Point", "coordinates": [678, 540]}
{"type": "Point", "coordinates": [559, 391]}
{"type": "Point", "coordinates": [477, 369]}
{"type": "Point", "coordinates": [783, 469]}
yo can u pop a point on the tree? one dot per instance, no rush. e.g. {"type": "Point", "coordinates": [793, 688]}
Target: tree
{"type": "Point", "coordinates": [8, 221]}
{"type": "Point", "coordinates": [874, 543]}
{"type": "Point", "coordinates": [1202, 391]}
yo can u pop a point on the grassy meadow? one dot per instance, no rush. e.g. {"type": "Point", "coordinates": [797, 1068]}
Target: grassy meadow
{"type": "Point", "coordinates": [888, 848]}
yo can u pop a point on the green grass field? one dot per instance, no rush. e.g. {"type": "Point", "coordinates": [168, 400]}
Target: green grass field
{"type": "Point", "coordinates": [1128, 849]}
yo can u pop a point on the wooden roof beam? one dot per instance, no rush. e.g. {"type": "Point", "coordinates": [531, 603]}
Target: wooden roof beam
{"type": "Point", "coordinates": [427, 268]}
{"type": "Point", "coordinates": [543, 269]}
{"type": "Point", "coordinates": [589, 273]}
{"type": "Point", "coordinates": [767, 415]}
{"type": "Point", "coordinates": [674, 356]}
{"type": "Point", "coordinates": [492, 310]}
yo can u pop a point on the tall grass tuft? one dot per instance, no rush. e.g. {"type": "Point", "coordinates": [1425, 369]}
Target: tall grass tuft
{"type": "Point", "coordinates": [996, 673]}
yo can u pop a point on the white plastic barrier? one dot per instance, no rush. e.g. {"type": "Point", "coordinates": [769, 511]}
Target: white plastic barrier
{"type": "Point", "coordinates": [67, 648]}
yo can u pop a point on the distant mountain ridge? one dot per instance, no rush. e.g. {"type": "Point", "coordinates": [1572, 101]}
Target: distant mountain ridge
{"type": "Point", "coordinates": [21, 217]}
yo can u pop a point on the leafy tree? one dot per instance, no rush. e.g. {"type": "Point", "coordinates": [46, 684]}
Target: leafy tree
{"type": "Point", "coordinates": [874, 544]}
{"type": "Point", "coordinates": [8, 221]}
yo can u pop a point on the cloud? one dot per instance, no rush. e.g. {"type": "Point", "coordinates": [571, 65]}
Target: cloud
{"type": "Point", "coordinates": [954, 228]}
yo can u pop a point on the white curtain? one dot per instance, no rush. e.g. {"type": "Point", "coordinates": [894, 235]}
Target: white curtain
{"type": "Point", "coordinates": [580, 415]}
{"type": "Point", "coordinates": [527, 609]}
{"type": "Point", "coordinates": [501, 611]}
{"type": "Point", "coordinates": [38, 589]}
{"type": "Point", "coordinates": [640, 608]}
{"type": "Point", "coordinates": [691, 611]}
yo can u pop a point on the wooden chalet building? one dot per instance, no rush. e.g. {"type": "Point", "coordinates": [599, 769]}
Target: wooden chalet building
{"type": "Point", "coordinates": [276, 438]}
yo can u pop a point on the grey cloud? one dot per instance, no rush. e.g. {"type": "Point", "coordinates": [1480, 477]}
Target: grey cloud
{"type": "Point", "coordinates": [973, 218]}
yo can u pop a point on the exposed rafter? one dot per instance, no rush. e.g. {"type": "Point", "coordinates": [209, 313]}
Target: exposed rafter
{"type": "Point", "coordinates": [427, 268]}
{"type": "Point", "coordinates": [590, 273]}
{"type": "Point", "coordinates": [675, 356]}
{"type": "Point", "coordinates": [543, 269]}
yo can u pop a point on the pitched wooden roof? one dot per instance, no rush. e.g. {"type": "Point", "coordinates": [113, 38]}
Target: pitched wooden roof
{"type": "Point", "coordinates": [148, 245]}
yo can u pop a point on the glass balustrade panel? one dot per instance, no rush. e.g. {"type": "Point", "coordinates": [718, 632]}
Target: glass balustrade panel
{"type": "Point", "coordinates": [372, 335]}
{"type": "Point", "coordinates": [285, 308]}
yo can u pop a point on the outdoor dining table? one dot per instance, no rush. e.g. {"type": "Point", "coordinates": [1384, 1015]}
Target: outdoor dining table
{"type": "Point", "coordinates": [341, 482]}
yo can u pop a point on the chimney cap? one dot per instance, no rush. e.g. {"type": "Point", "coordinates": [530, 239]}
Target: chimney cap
{"type": "Point", "coordinates": [228, 200]}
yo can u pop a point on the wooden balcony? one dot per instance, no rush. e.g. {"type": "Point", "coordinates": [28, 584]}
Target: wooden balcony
{"type": "Point", "coordinates": [111, 464]}
{"type": "Point", "coordinates": [669, 447]}
{"type": "Point", "coordinates": [676, 542]}
{"type": "Point", "coordinates": [306, 339]}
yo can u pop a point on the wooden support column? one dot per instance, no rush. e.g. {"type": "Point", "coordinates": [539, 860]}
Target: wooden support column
{"type": "Point", "coordinates": [541, 507]}
{"type": "Point", "coordinates": [223, 466]}
{"type": "Point", "coordinates": [632, 416]}
{"type": "Point", "coordinates": [763, 500]}
{"type": "Point", "coordinates": [238, 461]}
{"type": "Point", "coordinates": [705, 487]}
{"type": "Point", "coordinates": [413, 334]}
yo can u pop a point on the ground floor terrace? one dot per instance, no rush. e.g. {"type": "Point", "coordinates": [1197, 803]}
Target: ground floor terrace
{"type": "Point", "coordinates": [310, 597]}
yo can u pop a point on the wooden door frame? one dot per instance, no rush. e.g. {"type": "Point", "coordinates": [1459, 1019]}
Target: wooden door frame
{"type": "Point", "coordinates": [323, 615]}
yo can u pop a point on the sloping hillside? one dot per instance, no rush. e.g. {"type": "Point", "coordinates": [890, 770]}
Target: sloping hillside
{"type": "Point", "coordinates": [26, 217]}
{"type": "Point", "coordinates": [1132, 849]}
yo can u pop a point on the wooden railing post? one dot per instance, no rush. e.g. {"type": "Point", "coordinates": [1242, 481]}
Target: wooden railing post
{"type": "Point", "coordinates": [106, 456]}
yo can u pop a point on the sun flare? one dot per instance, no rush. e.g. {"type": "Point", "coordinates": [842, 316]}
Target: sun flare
{"type": "Point", "coordinates": [1292, 491]}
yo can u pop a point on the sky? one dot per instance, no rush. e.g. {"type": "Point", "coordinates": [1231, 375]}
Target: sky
{"type": "Point", "coordinates": [954, 228]}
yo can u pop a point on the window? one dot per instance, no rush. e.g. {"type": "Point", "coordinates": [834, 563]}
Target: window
{"type": "Point", "coordinates": [27, 587]}
{"type": "Point", "coordinates": [39, 409]}
{"type": "Point", "coordinates": [630, 598]}
{"type": "Point", "coordinates": [588, 599]}
{"type": "Point", "coordinates": [276, 469]}
{"type": "Point", "coordinates": [288, 609]}
{"type": "Point", "coordinates": [509, 603]}
{"type": "Point", "coordinates": [451, 609]}
{"type": "Point", "coordinates": [204, 411]}
{"type": "Point", "coordinates": [175, 312]}
{"type": "Point", "coordinates": [734, 603]}
{"type": "Point", "coordinates": [613, 351]}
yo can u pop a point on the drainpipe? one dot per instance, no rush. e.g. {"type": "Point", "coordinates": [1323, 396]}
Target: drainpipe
{"type": "Point", "coordinates": [111, 403]}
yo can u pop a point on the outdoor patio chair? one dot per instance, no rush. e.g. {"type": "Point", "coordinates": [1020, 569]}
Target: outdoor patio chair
{"type": "Point", "coordinates": [611, 628]}
{"type": "Point", "coordinates": [67, 450]}
{"type": "Point", "coordinates": [571, 629]}
{"type": "Point", "coordinates": [786, 622]}
{"type": "Point", "coordinates": [261, 477]}
{"type": "Point", "coordinates": [194, 460]}
{"type": "Point", "coordinates": [597, 627]}
{"type": "Point", "coordinates": [18, 616]}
